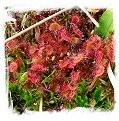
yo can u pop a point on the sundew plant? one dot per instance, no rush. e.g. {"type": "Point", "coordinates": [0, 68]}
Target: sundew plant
{"type": "Point", "coordinates": [62, 62]}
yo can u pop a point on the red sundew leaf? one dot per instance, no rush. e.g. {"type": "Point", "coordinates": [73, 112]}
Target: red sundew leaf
{"type": "Point", "coordinates": [36, 67]}
{"type": "Point", "coordinates": [54, 86]}
{"type": "Point", "coordinates": [98, 56]}
{"type": "Point", "coordinates": [64, 35]}
{"type": "Point", "coordinates": [78, 58]}
{"type": "Point", "coordinates": [62, 49]}
{"type": "Point", "coordinates": [76, 19]}
{"type": "Point", "coordinates": [63, 63]}
{"type": "Point", "coordinates": [26, 48]}
{"type": "Point", "coordinates": [67, 91]}
{"type": "Point", "coordinates": [11, 45]}
{"type": "Point", "coordinates": [95, 17]}
{"type": "Point", "coordinates": [18, 61]}
{"type": "Point", "coordinates": [32, 49]}
{"type": "Point", "coordinates": [39, 68]}
{"type": "Point", "coordinates": [33, 77]}
{"type": "Point", "coordinates": [110, 51]}
{"type": "Point", "coordinates": [46, 37]}
{"type": "Point", "coordinates": [74, 76]}
{"type": "Point", "coordinates": [72, 64]}
{"type": "Point", "coordinates": [98, 71]}
{"type": "Point", "coordinates": [77, 31]}
{"type": "Point", "coordinates": [21, 42]}
{"type": "Point", "coordinates": [49, 50]}
{"type": "Point", "coordinates": [54, 26]}
{"type": "Point", "coordinates": [33, 55]}
{"type": "Point", "coordinates": [74, 40]}
{"type": "Point", "coordinates": [13, 67]}
{"type": "Point", "coordinates": [93, 43]}
{"type": "Point", "coordinates": [89, 43]}
{"type": "Point", "coordinates": [97, 44]}
{"type": "Point", "coordinates": [40, 51]}
{"type": "Point", "coordinates": [75, 60]}
{"type": "Point", "coordinates": [36, 59]}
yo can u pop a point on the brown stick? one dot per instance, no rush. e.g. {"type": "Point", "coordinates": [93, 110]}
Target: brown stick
{"type": "Point", "coordinates": [35, 25]}
{"type": "Point", "coordinates": [48, 18]}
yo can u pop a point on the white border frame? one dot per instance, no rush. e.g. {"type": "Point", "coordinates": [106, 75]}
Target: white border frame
{"type": "Point", "coordinates": [81, 114]}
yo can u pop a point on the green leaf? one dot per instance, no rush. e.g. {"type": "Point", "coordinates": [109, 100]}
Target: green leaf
{"type": "Point", "coordinates": [82, 101]}
{"type": "Point", "coordinates": [82, 86]}
{"type": "Point", "coordinates": [18, 75]}
{"type": "Point", "coordinates": [10, 58]}
{"type": "Point", "coordinates": [51, 95]}
{"type": "Point", "coordinates": [27, 61]}
{"type": "Point", "coordinates": [97, 94]}
{"type": "Point", "coordinates": [69, 106]}
{"type": "Point", "coordinates": [47, 78]}
{"type": "Point", "coordinates": [106, 24]}
{"type": "Point", "coordinates": [23, 77]}
{"type": "Point", "coordinates": [11, 86]}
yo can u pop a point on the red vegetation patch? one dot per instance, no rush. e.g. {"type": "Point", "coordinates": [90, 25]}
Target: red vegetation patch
{"type": "Point", "coordinates": [76, 19]}
{"type": "Point", "coordinates": [11, 45]}
{"type": "Point", "coordinates": [75, 76]}
{"type": "Point", "coordinates": [77, 31]}
{"type": "Point", "coordinates": [64, 35]}
{"type": "Point", "coordinates": [98, 71]}
{"type": "Point", "coordinates": [62, 48]}
{"type": "Point", "coordinates": [33, 77]}
{"type": "Point", "coordinates": [67, 91]}
{"type": "Point", "coordinates": [110, 51]}
{"type": "Point", "coordinates": [14, 65]}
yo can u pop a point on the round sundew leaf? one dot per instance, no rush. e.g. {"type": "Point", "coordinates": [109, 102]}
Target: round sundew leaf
{"type": "Point", "coordinates": [13, 67]}
{"type": "Point", "coordinates": [76, 19]}
{"type": "Point", "coordinates": [54, 26]}
{"type": "Point", "coordinates": [32, 49]}
{"type": "Point", "coordinates": [74, 40]}
{"type": "Point", "coordinates": [49, 49]}
{"type": "Point", "coordinates": [78, 58]}
{"type": "Point", "coordinates": [93, 43]}
{"type": "Point", "coordinates": [11, 45]}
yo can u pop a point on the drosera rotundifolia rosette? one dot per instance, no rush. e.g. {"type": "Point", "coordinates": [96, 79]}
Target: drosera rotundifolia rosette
{"type": "Point", "coordinates": [61, 61]}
